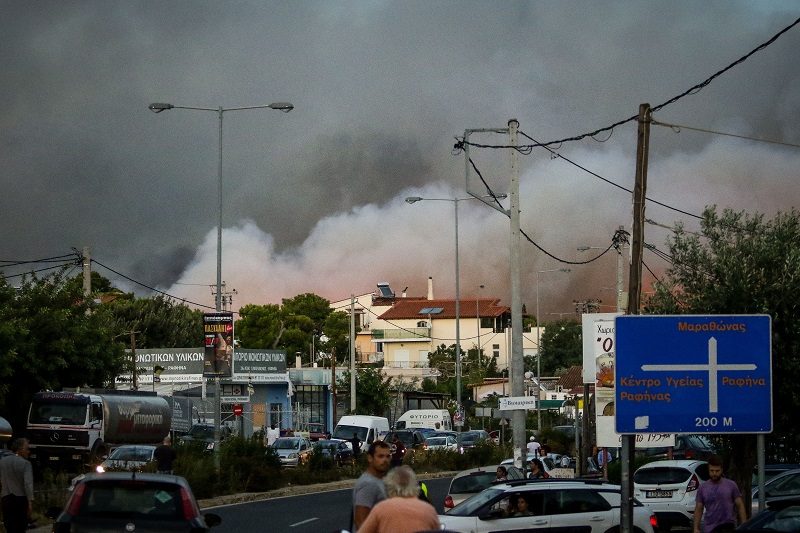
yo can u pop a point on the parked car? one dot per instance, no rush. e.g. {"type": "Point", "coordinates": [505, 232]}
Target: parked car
{"type": "Point", "coordinates": [204, 432]}
{"type": "Point", "coordinates": [441, 443]}
{"type": "Point", "coordinates": [126, 501]}
{"type": "Point", "coordinates": [781, 514]}
{"type": "Point", "coordinates": [590, 506]}
{"type": "Point", "coordinates": [128, 457]}
{"type": "Point", "coordinates": [696, 447]}
{"type": "Point", "coordinates": [669, 488]}
{"type": "Point", "coordinates": [339, 451]}
{"type": "Point", "coordinates": [292, 451]}
{"type": "Point", "coordinates": [547, 461]}
{"type": "Point", "coordinates": [782, 485]}
{"type": "Point", "coordinates": [772, 470]}
{"type": "Point", "coordinates": [472, 481]}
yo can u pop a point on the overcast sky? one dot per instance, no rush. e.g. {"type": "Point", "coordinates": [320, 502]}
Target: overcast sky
{"type": "Point", "coordinates": [314, 199]}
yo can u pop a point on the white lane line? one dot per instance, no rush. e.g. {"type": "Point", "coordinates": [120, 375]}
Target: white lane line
{"type": "Point", "coordinates": [303, 522]}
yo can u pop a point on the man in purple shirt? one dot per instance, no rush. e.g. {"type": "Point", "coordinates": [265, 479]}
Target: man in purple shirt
{"type": "Point", "coordinates": [719, 497]}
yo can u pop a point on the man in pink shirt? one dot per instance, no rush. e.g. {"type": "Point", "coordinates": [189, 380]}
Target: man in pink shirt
{"type": "Point", "coordinates": [403, 512]}
{"type": "Point", "coordinates": [719, 497]}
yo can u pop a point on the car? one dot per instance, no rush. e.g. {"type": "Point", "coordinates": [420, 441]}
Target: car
{"type": "Point", "coordinates": [589, 506]}
{"type": "Point", "coordinates": [339, 451]}
{"type": "Point", "coordinates": [781, 514]}
{"type": "Point", "coordinates": [204, 432]}
{"type": "Point", "coordinates": [547, 461]}
{"type": "Point", "coordinates": [412, 439]}
{"type": "Point", "coordinates": [128, 457]}
{"type": "Point", "coordinates": [292, 451]}
{"type": "Point", "coordinates": [441, 443]}
{"type": "Point", "coordinates": [470, 439]}
{"type": "Point", "coordinates": [669, 488]}
{"type": "Point", "coordinates": [782, 485]}
{"type": "Point", "coordinates": [772, 470]}
{"type": "Point", "coordinates": [696, 447]}
{"type": "Point", "coordinates": [472, 481]}
{"type": "Point", "coordinates": [128, 501]}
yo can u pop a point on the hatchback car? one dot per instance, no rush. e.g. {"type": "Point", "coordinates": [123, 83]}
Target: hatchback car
{"type": "Point", "coordinates": [470, 439]}
{"type": "Point", "coordinates": [127, 501]}
{"type": "Point", "coordinates": [203, 432]}
{"type": "Point", "coordinates": [669, 488]}
{"type": "Point", "coordinates": [292, 451]}
{"type": "Point", "coordinates": [781, 485]}
{"type": "Point", "coordinates": [338, 451]}
{"type": "Point", "coordinates": [472, 481]}
{"type": "Point", "coordinates": [696, 447]}
{"type": "Point", "coordinates": [589, 506]}
{"type": "Point", "coordinates": [128, 457]}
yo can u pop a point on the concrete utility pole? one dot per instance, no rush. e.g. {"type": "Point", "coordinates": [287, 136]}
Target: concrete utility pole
{"type": "Point", "coordinates": [87, 273]}
{"type": "Point", "coordinates": [352, 354]}
{"type": "Point", "coordinates": [635, 295]}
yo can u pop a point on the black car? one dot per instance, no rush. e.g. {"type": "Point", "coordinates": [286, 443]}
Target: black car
{"type": "Point", "coordinates": [203, 432]}
{"type": "Point", "coordinates": [128, 501]}
{"type": "Point", "coordinates": [339, 451]}
{"type": "Point", "coordinates": [781, 514]}
{"type": "Point", "coordinates": [412, 439]}
{"type": "Point", "coordinates": [696, 447]}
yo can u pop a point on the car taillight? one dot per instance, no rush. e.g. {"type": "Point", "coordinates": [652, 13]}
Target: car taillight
{"type": "Point", "coordinates": [190, 510]}
{"type": "Point", "coordinates": [654, 522]}
{"type": "Point", "coordinates": [693, 483]}
{"type": "Point", "coordinates": [75, 500]}
{"type": "Point", "coordinates": [690, 454]}
{"type": "Point", "coordinates": [448, 502]}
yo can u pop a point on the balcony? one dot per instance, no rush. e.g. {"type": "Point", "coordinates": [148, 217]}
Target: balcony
{"type": "Point", "coordinates": [409, 334]}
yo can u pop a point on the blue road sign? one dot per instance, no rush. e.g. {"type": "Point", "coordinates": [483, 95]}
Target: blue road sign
{"type": "Point", "coordinates": [693, 374]}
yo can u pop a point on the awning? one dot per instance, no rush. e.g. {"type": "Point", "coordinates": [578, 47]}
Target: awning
{"type": "Point", "coordinates": [552, 404]}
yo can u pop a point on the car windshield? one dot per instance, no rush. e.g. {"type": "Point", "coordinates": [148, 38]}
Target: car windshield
{"type": "Point", "coordinates": [286, 444]}
{"type": "Point", "coordinates": [58, 413]}
{"type": "Point", "coordinates": [405, 438]}
{"type": "Point", "coordinates": [659, 475]}
{"type": "Point", "coordinates": [346, 432]}
{"type": "Point", "coordinates": [472, 483]}
{"type": "Point", "coordinates": [132, 500]}
{"type": "Point", "coordinates": [131, 453]}
{"type": "Point", "coordinates": [469, 506]}
{"type": "Point", "coordinates": [436, 441]}
{"type": "Point", "coordinates": [698, 442]}
{"type": "Point", "coordinates": [205, 432]}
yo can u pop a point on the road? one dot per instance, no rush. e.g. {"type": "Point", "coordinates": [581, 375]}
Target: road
{"type": "Point", "coordinates": [308, 513]}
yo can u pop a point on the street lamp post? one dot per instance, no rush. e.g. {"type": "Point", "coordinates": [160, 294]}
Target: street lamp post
{"type": "Point", "coordinates": [414, 199]}
{"type": "Point", "coordinates": [539, 349]}
{"type": "Point", "coordinates": [158, 108]}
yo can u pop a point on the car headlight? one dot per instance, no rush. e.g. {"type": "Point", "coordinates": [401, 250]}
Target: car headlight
{"type": "Point", "coordinates": [100, 469]}
{"type": "Point", "coordinates": [293, 456]}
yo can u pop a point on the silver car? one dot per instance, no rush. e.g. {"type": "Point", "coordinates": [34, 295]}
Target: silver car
{"type": "Point", "coordinates": [128, 457]}
{"type": "Point", "coordinates": [472, 481]}
{"type": "Point", "coordinates": [292, 451]}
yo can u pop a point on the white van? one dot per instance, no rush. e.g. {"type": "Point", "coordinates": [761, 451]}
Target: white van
{"type": "Point", "coordinates": [438, 419]}
{"type": "Point", "coordinates": [368, 428]}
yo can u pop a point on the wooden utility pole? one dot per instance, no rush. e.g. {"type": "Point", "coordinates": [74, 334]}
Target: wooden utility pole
{"type": "Point", "coordinates": [635, 295]}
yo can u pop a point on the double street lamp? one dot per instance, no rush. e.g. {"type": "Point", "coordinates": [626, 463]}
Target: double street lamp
{"type": "Point", "coordinates": [539, 348]}
{"type": "Point", "coordinates": [158, 108]}
{"type": "Point", "coordinates": [415, 199]}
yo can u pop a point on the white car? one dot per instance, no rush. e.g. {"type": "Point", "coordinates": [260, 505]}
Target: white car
{"type": "Point", "coordinates": [669, 488]}
{"type": "Point", "coordinates": [589, 506]}
{"type": "Point", "coordinates": [292, 451]}
{"type": "Point", "coordinates": [441, 443]}
{"type": "Point", "coordinates": [547, 461]}
{"type": "Point", "coordinates": [472, 481]}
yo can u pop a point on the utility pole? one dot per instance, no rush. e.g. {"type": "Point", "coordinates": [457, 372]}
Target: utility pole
{"type": "Point", "coordinates": [352, 353]}
{"type": "Point", "coordinates": [634, 295]}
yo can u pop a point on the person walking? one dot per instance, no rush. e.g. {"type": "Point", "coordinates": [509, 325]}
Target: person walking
{"type": "Point", "coordinates": [355, 442]}
{"type": "Point", "coordinates": [273, 434]}
{"type": "Point", "coordinates": [721, 500]}
{"type": "Point", "coordinates": [398, 451]}
{"type": "Point", "coordinates": [16, 497]}
{"type": "Point", "coordinates": [603, 457]}
{"type": "Point", "coordinates": [403, 511]}
{"type": "Point", "coordinates": [165, 455]}
{"type": "Point", "coordinates": [533, 447]}
{"type": "Point", "coordinates": [369, 489]}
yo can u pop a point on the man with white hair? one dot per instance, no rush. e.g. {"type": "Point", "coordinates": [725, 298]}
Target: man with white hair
{"type": "Point", "coordinates": [403, 512]}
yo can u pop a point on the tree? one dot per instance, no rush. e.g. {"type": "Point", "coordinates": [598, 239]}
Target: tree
{"type": "Point", "coordinates": [260, 326]}
{"type": "Point", "coordinates": [51, 340]}
{"type": "Point", "coordinates": [744, 264]}
{"type": "Point", "coordinates": [337, 331]}
{"type": "Point", "coordinates": [372, 391]}
{"type": "Point", "coordinates": [159, 322]}
{"type": "Point", "coordinates": [562, 347]}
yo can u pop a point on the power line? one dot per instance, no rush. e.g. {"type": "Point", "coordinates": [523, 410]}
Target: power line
{"type": "Point", "coordinates": [677, 129]}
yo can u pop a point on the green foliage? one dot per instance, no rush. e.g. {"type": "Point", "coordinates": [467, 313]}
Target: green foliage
{"type": "Point", "coordinates": [259, 326]}
{"type": "Point", "coordinates": [159, 322]}
{"type": "Point", "coordinates": [562, 347]}
{"type": "Point", "coordinates": [372, 391]}
{"type": "Point", "coordinates": [50, 340]}
{"type": "Point", "coordinates": [744, 264]}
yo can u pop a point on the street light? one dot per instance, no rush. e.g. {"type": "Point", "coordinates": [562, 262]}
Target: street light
{"type": "Point", "coordinates": [539, 349]}
{"type": "Point", "coordinates": [158, 108]}
{"type": "Point", "coordinates": [415, 199]}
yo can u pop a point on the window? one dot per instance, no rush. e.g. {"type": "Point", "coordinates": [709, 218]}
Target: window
{"type": "Point", "coordinates": [495, 350]}
{"type": "Point", "coordinates": [312, 400]}
{"type": "Point", "coordinates": [574, 501]}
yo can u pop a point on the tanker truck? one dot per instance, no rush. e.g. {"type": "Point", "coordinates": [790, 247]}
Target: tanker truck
{"type": "Point", "coordinates": [75, 429]}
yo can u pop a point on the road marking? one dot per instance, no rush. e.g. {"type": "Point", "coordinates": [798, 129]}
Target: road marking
{"type": "Point", "coordinates": [303, 522]}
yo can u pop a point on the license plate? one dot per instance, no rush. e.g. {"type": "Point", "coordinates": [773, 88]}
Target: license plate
{"type": "Point", "coordinates": [54, 458]}
{"type": "Point", "coordinates": [658, 493]}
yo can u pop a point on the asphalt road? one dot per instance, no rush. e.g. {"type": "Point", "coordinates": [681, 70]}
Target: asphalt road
{"type": "Point", "coordinates": [320, 512]}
